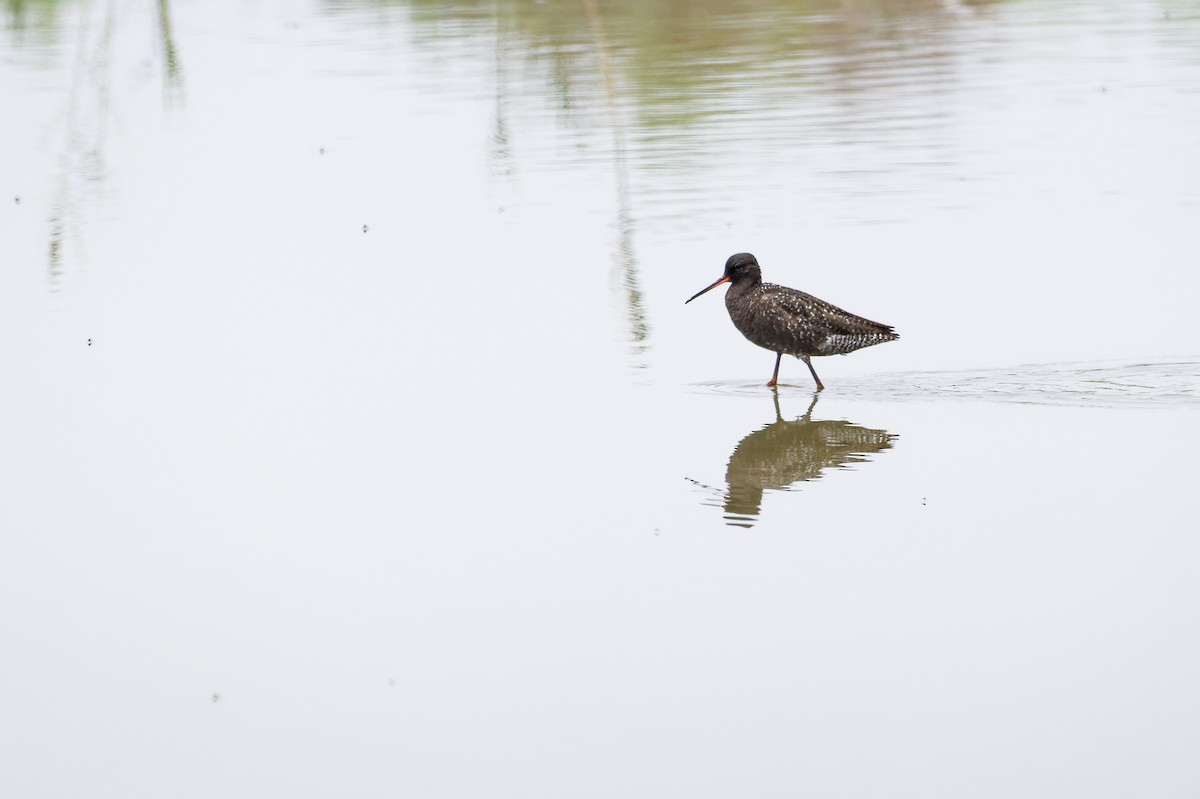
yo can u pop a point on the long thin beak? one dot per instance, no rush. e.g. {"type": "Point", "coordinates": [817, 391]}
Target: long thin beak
{"type": "Point", "coordinates": [724, 279]}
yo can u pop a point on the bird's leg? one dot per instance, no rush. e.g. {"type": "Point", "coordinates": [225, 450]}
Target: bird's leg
{"type": "Point", "coordinates": [775, 377]}
{"type": "Point", "coordinates": [808, 363]}
{"type": "Point", "coordinates": [807, 417]}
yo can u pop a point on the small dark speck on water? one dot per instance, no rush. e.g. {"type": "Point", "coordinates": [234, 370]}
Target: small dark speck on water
{"type": "Point", "coordinates": [922, 500]}
{"type": "Point", "coordinates": [216, 698]}
{"type": "Point", "coordinates": [17, 199]}
{"type": "Point", "coordinates": [365, 228]}
{"type": "Point", "coordinates": [89, 342]}
{"type": "Point", "coordinates": [321, 151]}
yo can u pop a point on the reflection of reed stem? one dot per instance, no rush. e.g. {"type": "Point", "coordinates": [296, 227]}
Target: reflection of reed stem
{"type": "Point", "coordinates": [174, 72]}
{"type": "Point", "coordinates": [501, 150]}
{"type": "Point", "coordinates": [626, 261]}
{"type": "Point", "coordinates": [597, 23]}
{"type": "Point", "coordinates": [83, 155]}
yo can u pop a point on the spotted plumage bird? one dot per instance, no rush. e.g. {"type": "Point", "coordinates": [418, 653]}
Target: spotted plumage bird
{"type": "Point", "coordinates": [790, 322]}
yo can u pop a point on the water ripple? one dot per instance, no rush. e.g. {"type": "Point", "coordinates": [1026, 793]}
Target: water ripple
{"type": "Point", "coordinates": [1167, 382]}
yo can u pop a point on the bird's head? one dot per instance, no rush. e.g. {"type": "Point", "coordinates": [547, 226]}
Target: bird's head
{"type": "Point", "coordinates": [740, 267]}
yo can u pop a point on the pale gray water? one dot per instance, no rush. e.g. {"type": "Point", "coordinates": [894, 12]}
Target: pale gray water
{"type": "Point", "coordinates": [1162, 384]}
{"type": "Point", "coordinates": [356, 439]}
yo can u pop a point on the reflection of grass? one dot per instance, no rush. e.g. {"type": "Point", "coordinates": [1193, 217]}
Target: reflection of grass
{"type": "Point", "coordinates": [673, 56]}
{"type": "Point", "coordinates": [23, 15]}
{"type": "Point", "coordinates": [83, 165]}
{"type": "Point", "coordinates": [87, 114]}
{"type": "Point", "coordinates": [171, 66]}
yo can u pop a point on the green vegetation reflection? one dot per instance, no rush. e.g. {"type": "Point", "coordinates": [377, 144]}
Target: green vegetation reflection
{"type": "Point", "coordinates": [672, 57]}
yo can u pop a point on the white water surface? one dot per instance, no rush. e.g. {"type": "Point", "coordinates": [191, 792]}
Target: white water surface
{"type": "Point", "coordinates": [356, 439]}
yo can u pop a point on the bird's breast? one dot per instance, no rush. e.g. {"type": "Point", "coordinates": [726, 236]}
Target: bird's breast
{"type": "Point", "coordinates": [767, 323]}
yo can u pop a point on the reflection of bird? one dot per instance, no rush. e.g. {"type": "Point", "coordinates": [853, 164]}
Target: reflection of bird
{"type": "Point", "coordinates": [783, 453]}
{"type": "Point", "coordinates": [787, 321]}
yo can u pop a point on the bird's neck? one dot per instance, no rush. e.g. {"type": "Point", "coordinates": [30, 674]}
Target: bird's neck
{"type": "Point", "coordinates": [742, 287]}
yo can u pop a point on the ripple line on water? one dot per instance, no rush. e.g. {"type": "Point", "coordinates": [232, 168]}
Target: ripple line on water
{"type": "Point", "coordinates": [1165, 382]}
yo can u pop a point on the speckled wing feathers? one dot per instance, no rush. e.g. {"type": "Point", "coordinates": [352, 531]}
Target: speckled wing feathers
{"type": "Point", "coordinates": [786, 320]}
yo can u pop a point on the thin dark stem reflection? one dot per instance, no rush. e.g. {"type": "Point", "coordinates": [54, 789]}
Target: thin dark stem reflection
{"type": "Point", "coordinates": [172, 67]}
{"type": "Point", "coordinates": [624, 258]}
{"type": "Point", "coordinates": [82, 164]}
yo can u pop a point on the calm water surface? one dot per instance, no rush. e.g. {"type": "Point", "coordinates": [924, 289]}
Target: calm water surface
{"type": "Point", "coordinates": [356, 439]}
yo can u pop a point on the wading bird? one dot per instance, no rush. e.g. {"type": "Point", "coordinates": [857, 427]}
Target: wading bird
{"type": "Point", "coordinates": [790, 322]}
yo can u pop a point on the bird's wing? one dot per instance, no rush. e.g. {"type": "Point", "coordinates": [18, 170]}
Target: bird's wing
{"type": "Point", "coordinates": [802, 306]}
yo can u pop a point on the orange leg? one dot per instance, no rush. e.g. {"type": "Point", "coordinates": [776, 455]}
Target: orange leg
{"type": "Point", "coordinates": [808, 363]}
{"type": "Point", "coordinates": [775, 377]}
